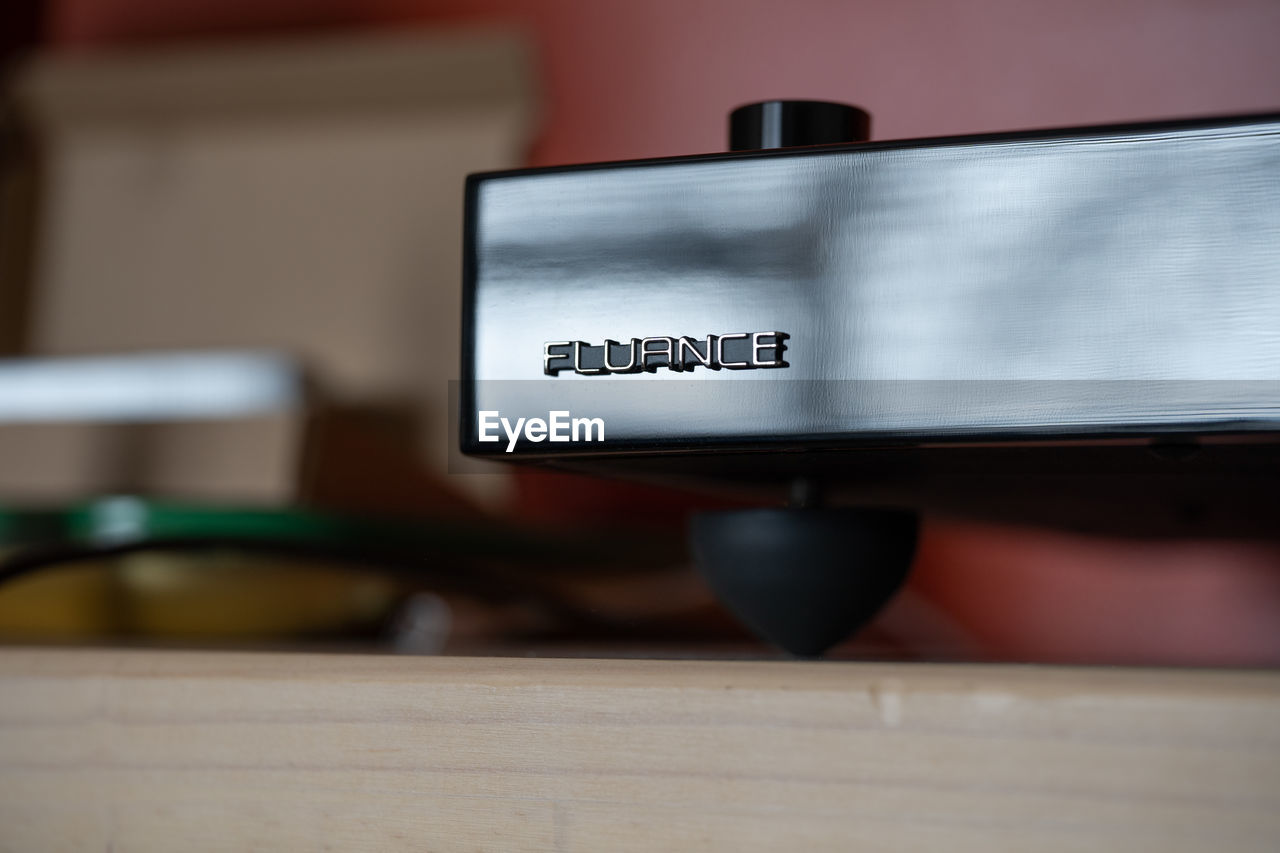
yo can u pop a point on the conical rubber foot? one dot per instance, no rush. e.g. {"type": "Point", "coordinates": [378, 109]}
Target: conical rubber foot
{"type": "Point", "coordinates": [805, 579]}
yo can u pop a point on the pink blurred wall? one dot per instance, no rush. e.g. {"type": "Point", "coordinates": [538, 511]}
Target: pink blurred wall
{"type": "Point", "coordinates": [656, 77]}
{"type": "Point", "coordinates": [639, 79]}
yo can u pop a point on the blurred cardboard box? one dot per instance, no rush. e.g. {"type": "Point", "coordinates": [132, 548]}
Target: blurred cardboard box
{"type": "Point", "coordinates": [245, 460]}
{"type": "Point", "coordinates": [303, 196]}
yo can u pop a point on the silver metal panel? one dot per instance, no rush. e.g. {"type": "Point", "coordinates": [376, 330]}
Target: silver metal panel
{"type": "Point", "coordinates": [1102, 281]}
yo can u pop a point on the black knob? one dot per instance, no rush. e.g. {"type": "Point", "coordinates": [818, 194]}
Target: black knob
{"type": "Point", "coordinates": [782, 124]}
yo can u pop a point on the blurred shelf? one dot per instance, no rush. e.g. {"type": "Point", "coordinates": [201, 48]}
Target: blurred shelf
{"type": "Point", "coordinates": [154, 750]}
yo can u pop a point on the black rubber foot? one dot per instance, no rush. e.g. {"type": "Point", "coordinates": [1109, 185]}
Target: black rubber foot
{"type": "Point", "coordinates": [804, 579]}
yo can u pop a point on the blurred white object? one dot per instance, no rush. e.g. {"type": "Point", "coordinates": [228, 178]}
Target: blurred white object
{"type": "Point", "coordinates": [208, 425]}
{"type": "Point", "coordinates": [423, 624]}
{"type": "Point", "coordinates": [148, 387]}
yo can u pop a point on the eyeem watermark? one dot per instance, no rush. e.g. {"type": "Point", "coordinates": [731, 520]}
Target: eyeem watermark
{"type": "Point", "coordinates": [559, 426]}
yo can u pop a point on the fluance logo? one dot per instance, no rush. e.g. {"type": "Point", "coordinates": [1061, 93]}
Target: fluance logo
{"type": "Point", "coordinates": [559, 426]}
{"type": "Point", "coordinates": [738, 351]}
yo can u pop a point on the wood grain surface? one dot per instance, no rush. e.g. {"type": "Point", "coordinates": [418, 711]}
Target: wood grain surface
{"type": "Point", "coordinates": [179, 751]}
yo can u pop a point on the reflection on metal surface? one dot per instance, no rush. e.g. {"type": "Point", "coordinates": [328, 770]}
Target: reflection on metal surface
{"type": "Point", "coordinates": [672, 414]}
{"type": "Point", "coordinates": [1088, 282]}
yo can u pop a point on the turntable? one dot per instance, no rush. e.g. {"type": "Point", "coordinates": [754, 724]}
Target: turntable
{"type": "Point", "coordinates": [1075, 327]}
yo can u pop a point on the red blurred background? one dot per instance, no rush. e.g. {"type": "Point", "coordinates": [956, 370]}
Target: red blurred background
{"type": "Point", "coordinates": [644, 79]}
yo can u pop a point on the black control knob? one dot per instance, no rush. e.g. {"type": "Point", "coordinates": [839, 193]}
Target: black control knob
{"type": "Point", "coordinates": [782, 124]}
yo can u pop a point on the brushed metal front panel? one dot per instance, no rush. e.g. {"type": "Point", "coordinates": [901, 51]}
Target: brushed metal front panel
{"type": "Point", "coordinates": [1095, 282]}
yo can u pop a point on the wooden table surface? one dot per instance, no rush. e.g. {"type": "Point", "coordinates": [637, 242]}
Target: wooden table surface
{"type": "Point", "coordinates": [178, 751]}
